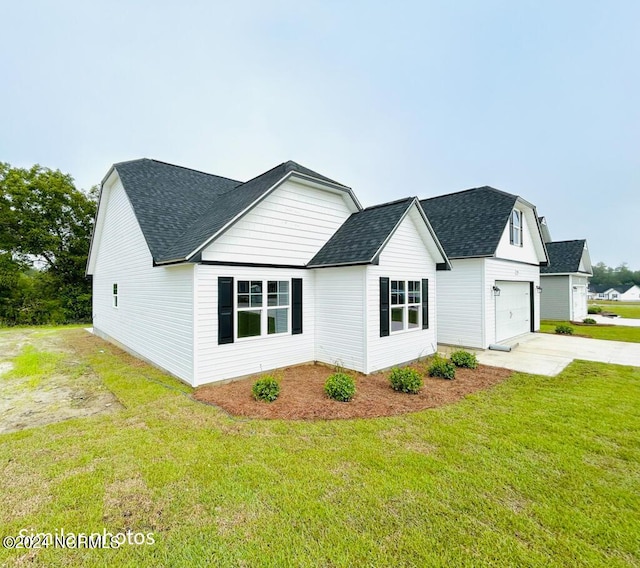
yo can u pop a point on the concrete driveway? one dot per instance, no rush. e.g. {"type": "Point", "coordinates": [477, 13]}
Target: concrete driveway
{"type": "Point", "coordinates": [546, 354]}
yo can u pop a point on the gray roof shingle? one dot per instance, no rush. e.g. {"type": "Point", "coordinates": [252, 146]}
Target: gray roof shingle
{"type": "Point", "coordinates": [360, 237]}
{"type": "Point", "coordinates": [564, 257]}
{"type": "Point", "coordinates": [470, 223]}
{"type": "Point", "coordinates": [179, 209]}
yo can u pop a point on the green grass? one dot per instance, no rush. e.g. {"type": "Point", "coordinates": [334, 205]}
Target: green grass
{"type": "Point", "coordinates": [623, 309]}
{"type": "Point", "coordinates": [537, 471]}
{"type": "Point", "coordinates": [34, 364]}
{"type": "Point", "coordinates": [610, 332]}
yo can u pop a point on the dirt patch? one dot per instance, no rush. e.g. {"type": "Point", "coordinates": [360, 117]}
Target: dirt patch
{"type": "Point", "coordinates": [302, 394]}
{"type": "Point", "coordinates": [71, 391]}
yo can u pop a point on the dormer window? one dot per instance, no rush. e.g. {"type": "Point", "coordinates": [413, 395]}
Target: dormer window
{"type": "Point", "coordinates": [516, 228]}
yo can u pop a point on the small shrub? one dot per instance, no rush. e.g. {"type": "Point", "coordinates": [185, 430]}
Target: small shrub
{"type": "Point", "coordinates": [405, 380]}
{"type": "Point", "coordinates": [340, 386]}
{"type": "Point", "coordinates": [464, 359]}
{"type": "Point", "coordinates": [563, 329]}
{"type": "Point", "coordinates": [594, 309]}
{"type": "Point", "coordinates": [590, 321]}
{"type": "Point", "coordinates": [442, 368]}
{"type": "Point", "coordinates": [267, 389]}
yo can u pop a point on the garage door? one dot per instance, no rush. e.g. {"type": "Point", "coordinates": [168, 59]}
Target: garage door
{"type": "Point", "coordinates": [513, 309]}
{"type": "Point", "coordinates": [579, 294]}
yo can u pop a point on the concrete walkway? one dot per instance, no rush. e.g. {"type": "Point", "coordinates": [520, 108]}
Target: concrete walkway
{"type": "Point", "coordinates": [629, 322]}
{"type": "Point", "coordinates": [546, 354]}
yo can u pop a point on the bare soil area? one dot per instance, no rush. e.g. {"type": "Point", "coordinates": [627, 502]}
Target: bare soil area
{"type": "Point", "coordinates": [302, 394]}
{"type": "Point", "coordinates": [72, 391]}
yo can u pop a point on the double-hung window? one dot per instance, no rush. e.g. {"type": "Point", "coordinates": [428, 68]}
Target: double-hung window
{"type": "Point", "coordinates": [516, 228]}
{"type": "Point", "coordinates": [263, 307]}
{"type": "Point", "coordinates": [405, 305]}
{"type": "Point", "coordinates": [114, 295]}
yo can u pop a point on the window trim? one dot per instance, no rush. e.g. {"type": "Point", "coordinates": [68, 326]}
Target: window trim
{"type": "Point", "coordinates": [405, 305]}
{"type": "Point", "coordinates": [264, 308]}
{"type": "Point", "coordinates": [115, 295]}
{"type": "Point", "coordinates": [516, 230]}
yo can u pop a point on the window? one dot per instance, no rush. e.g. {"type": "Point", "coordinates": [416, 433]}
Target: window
{"type": "Point", "coordinates": [257, 317]}
{"type": "Point", "coordinates": [516, 228]}
{"type": "Point", "coordinates": [405, 305]}
{"type": "Point", "coordinates": [115, 295]}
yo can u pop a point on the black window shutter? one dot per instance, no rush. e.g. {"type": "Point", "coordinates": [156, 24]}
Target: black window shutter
{"type": "Point", "coordinates": [425, 303]}
{"type": "Point", "coordinates": [511, 235]}
{"type": "Point", "coordinates": [296, 306]}
{"type": "Point", "coordinates": [384, 307]}
{"type": "Point", "coordinates": [225, 310]}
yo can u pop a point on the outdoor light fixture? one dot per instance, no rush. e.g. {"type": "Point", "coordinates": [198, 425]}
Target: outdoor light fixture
{"type": "Point", "coordinates": [575, 287]}
{"type": "Point", "coordinates": [496, 290]}
{"type": "Point", "coordinates": [539, 289]}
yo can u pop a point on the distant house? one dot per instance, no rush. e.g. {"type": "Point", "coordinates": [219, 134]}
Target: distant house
{"type": "Point", "coordinates": [211, 278]}
{"type": "Point", "coordinates": [494, 242]}
{"type": "Point", "coordinates": [597, 292]}
{"type": "Point", "coordinates": [628, 293]}
{"type": "Point", "coordinates": [565, 280]}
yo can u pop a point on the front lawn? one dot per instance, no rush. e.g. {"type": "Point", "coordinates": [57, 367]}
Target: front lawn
{"type": "Point", "coordinates": [536, 471]}
{"type": "Point", "coordinates": [623, 309]}
{"type": "Point", "coordinates": [611, 332]}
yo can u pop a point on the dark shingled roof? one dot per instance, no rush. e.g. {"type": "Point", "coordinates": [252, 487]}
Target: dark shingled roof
{"type": "Point", "coordinates": [179, 209]}
{"type": "Point", "coordinates": [470, 223]}
{"type": "Point", "coordinates": [360, 237]}
{"type": "Point", "coordinates": [564, 256]}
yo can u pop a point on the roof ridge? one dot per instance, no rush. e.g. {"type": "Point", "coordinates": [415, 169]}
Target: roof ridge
{"type": "Point", "coordinates": [485, 187]}
{"type": "Point", "coordinates": [388, 203]}
{"type": "Point", "coordinates": [190, 169]}
{"type": "Point", "coordinates": [262, 174]}
{"type": "Point", "coordinates": [567, 241]}
{"type": "Point", "coordinates": [175, 166]}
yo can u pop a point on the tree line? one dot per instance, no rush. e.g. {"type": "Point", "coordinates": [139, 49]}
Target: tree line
{"type": "Point", "coordinates": [45, 231]}
{"type": "Point", "coordinates": [622, 275]}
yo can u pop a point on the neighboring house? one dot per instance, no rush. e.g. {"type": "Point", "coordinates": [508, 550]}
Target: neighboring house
{"type": "Point", "coordinates": [628, 293]}
{"type": "Point", "coordinates": [565, 280]}
{"type": "Point", "coordinates": [495, 246]}
{"type": "Point", "coordinates": [210, 278]}
{"type": "Point", "coordinates": [597, 292]}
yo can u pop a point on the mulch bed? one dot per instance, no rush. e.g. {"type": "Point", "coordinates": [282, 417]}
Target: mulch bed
{"type": "Point", "coordinates": [302, 394]}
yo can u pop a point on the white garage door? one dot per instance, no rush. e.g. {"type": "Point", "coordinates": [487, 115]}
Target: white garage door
{"type": "Point", "coordinates": [513, 309]}
{"type": "Point", "coordinates": [579, 294]}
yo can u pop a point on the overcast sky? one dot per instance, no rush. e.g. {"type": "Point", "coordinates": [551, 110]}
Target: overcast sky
{"type": "Point", "coordinates": [537, 98]}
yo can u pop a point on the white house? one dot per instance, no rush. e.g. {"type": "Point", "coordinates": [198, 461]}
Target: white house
{"type": "Point", "coordinates": [210, 278]}
{"type": "Point", "coordinates": [628, 293]}
{"type": "Point", "coordinates": [565, 281]}
{"type": "Point", "coordinates": [494, 242]}
{"type": "Point", "coordinates": [602, 292]}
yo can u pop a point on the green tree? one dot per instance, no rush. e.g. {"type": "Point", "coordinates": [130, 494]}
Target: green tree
{"type": "Point", "coordinates": [45, 230]}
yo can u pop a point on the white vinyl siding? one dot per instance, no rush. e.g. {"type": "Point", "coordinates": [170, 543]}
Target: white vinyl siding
{"type": "Point", "coordinates": [249, 355]}
{"type": "Point", "coordinates": [526, 252]}
{"type": "Point", "coordinates": [340, 316]}
{"type": "Point", "coordinates": [460, 303]}
{"type": "Point", "coordinates": [154, 317]}
{"type": "Point", "coordinates": [405, 257]}
{"type": "Point", "coordinates": [288, 227]}
{"type": "Point", "coordinates": [555, 299]}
